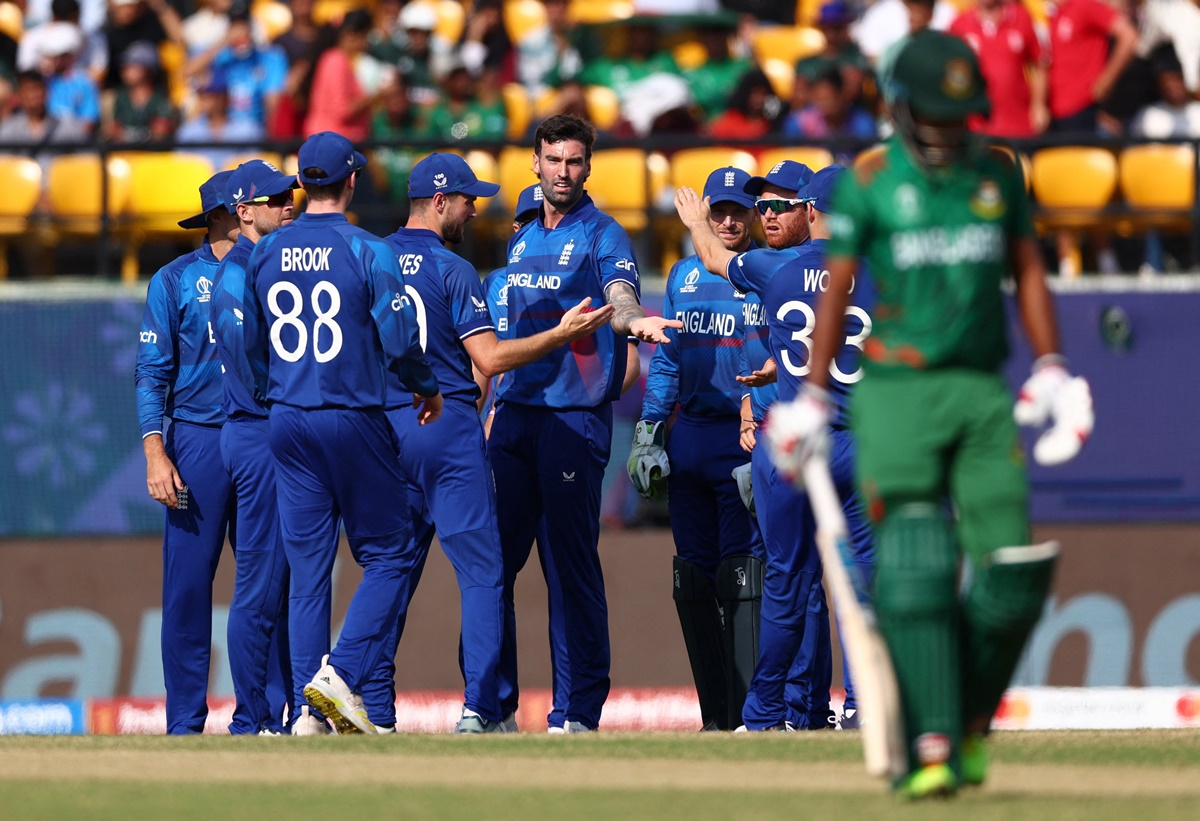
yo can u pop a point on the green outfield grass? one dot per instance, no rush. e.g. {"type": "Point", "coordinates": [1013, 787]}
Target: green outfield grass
{"type": "Point", "coordinates": [1068, 775]}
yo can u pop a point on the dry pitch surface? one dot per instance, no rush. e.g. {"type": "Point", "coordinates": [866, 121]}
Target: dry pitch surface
{"type": "Point", "coordinates": [1145, 775]}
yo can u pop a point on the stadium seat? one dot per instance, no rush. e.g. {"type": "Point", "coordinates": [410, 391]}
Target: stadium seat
{"type": "Point", "coordinates": [691, 166]}
{"type": "Point", "coordinates": [1159, 182]}
{"type": "Point", "coordinates": [624, 182]}
{"type": "Point", "coordinates": [1073, 184]}
{"type": "Point", "coordinates": [451, 19]}
{"type": "Point", "coordinates": [604, 106]}
{"type": "Point", "coordinates": [522, 17]}
{"type": "Point", "coordinates": [486, 168]}
{"type": "Point", "coordinates": [164, 188]}
{"type": "Point", "coordinates": [515, 174]}
{"type": "Point", "coordinates": [782, 75]}
{"type": "Point", "coordinates": [331, 12]}
{"type": "Point", "coordinates": [813, 156]}
{"type": "Point", "coordinates": [273, 18]}
{"type": "Point", "coordinates": [518, 108]}
{"type": "Point", "coordinates": [599, 11]}
{"type": "Point", "coordinates": [172, 57]}
{"type": "Point", "coordinates": [22, 189]}
{"type": "Point", "coordinates": [807, 12]}
{"type": "Point", "coordinates": [689, 54]}
{"type": "Point", "coordinates": [787, 43]}
{"type": "Point", "coordinates": [75, 195]}
{"type": "Point", "coordinates": [12, 21]}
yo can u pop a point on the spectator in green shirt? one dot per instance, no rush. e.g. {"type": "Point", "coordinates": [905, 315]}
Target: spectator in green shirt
{"type": "Point", "coordinates": [141, 112]}
{"type": "Point", "coordinates": [642, 59]}
{"type": "Point", "coordinates": [715, 79]}
{"type": "Point", "coordinates": [463, 113]}
{"type": "Point", "coordinates": [396, 120]}
{"type": "Point", "coordinates": [840, 51]}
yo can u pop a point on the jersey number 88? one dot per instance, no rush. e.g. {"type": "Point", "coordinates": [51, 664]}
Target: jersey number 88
{"type": "Point", "coordinates": [291, 318]}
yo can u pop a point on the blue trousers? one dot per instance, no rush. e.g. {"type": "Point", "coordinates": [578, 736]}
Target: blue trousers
{"type": "Point", "coordinates": [549, 467]}
{"type": "Point", "coordinates": [192, 543]}
{"type": "Point", "coordinates": [708, 518]}
{"type": "Point", "coordinates": [451, 490]}
{"type": "Point", "coordinates": [794, 672]}
{"type": "Point", "coordinates": [259, 661]}
{"type": "Point", "coordinates": [333, 463]}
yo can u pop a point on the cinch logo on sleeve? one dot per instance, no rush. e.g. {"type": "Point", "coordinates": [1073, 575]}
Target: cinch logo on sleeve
{"type": "Point", "coordinates": [148, 336]}
{"type": "Point", "coordinates": [304, 259]}
{"type": "Point", "coordinates": [627, 265]}
{"type": "Point", "coordinates": [204, 286]}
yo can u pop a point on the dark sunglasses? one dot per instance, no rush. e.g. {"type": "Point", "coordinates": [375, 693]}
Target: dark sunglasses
{"type": "Point", "coordinates": [275, 200]}
{"type": "Point", "coordinates": [779, 206]}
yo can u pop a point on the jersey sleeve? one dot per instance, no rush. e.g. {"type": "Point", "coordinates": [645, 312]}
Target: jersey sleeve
{"type": "Point", "coordinates": [235, 307]}
{"type": "Point", "coordinates": [157, 360]}
{"type": "Point", "coordinates": [615, 259]}
{"type": "Point", "coordinates": [850, 221]}
{"type": "Point", "coordinates": [1020, 212]}
{"type": "Point", "coordinates": [662, 379]}
{"type": "Point", "coordinates": [751, 270]}
{"type": "Point", "coordinates": [396, 319]}
{"type": "Point", "coordinates": [468, 299]}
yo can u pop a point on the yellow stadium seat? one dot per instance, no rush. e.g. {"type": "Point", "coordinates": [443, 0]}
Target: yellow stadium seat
{"type": "Point", "coordinates": [12, 21]}
{"type": "Point", "coordinates": [331, 12]}
{"type": "Point", "coordinates": [272, 17]}
{"type": "Point", "coordinates": [604, 106]}
{"type": "Point", "coordinates": [518, 108]}
{"type": "Point", "coordinates": [813, 156]}
{"type": "Point", "coordinates": [487, 169]}
{"type": "Point", "coordinates": [171, 57]}
{"type": "Point", "coordinates": [787, 43]}
{"type": "Point", "coordinates": [624, 182]}
{"type": "Point", "coordinates": [782, 75]}
{"type": "Point", "coordinates": [515, 174]}
{"type": "Point", "coordinates": [691, 166]}
{"type": "Point", "coordinates": [689, 54]}
{"type": "Point", "coordinates": [522, 17]}
{"type": "Point", "coordinates": [164, 188]}
{"type": "Point", "coordinates": [1073, 186]}
{"type": "Point", "coordinates": [1160, 182]}
{"type": "Point", "coordinates": [807, 11]}
{"type": "Point", "coordinates": [75, 191]}
{"type": "Point", "coordinates": [451, 19]}
{"type": "Point", "coordinates": [22, 189]}
{"type": "Point", "coordinates": [599, 11]}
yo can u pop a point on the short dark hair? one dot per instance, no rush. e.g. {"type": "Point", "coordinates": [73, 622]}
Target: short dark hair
{"type": "Point", "coordinates": [563, 127]}
{"type": "Point", "coordinates": [31, 76]}
{"type": "Point", "coordinates": [330, 193]}
{"type": "Point", "coordinates": [64, 9]}
{"type": "Point", "coordinates": [833, 76]}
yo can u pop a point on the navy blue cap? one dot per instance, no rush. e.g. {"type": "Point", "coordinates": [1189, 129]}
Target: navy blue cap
{"type": "Point", "coordinates": [446, 174]}
{"type": "Point", "coordinates": [331, 153]}
{"type": "Point", "coordinates": [212, 195]}
{"type": "Point", "coordinates": [789, 175]}
{"type": "Point", "coordinates": [820, 187]}
{"type": "Point", "coordinates": [728, 185]}
{"type": "Point", "coordinates": [255, 178]}
{"type": "Point", "coordinates": [835, 13]}
{"type": "Point", "coordinates": [530, 199]}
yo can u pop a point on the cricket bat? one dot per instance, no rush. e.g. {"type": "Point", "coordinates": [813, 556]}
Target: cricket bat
{"type": "Point", "coordinates": [874, 678]}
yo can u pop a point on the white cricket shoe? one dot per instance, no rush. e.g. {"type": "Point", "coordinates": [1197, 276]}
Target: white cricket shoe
{"type": "Point", "coordinates": [555, 730]}
{"type": "Point", "coordinates": [578, 727]}
{"type": "Point", "coordinates": [329, 694]}
{"type": "Point", "coordinates": [308, 724]}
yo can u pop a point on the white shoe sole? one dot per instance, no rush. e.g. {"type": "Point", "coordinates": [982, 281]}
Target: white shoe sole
{"type": "Point", "coordinates": [345, 719]}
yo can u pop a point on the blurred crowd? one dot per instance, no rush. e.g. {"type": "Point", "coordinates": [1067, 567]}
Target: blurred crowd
{"type": "Point", "coordinates": [215, 72]}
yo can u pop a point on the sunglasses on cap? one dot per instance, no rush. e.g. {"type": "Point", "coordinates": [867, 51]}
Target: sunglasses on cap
{"type": "Point", "coordinates": [275, 200]}
{"type": "Point", "coordinates": [779, 205]}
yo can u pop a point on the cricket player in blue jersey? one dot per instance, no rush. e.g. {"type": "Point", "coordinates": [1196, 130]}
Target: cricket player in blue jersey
{"type": "Point", "coordinates": [178, 377]}
{"type": "Point", "coordinates": [335, 319]}
{"type": "Point", "coordinates": [552, 433]}
{"type": "Point", "coordinates": [788, 281]}
{"type": "Point", "coordinates": [717, 569]}
{"type": "Point", "coordinates": [260, 196]}
{"type": "Point", "coordinates": [451, 487]}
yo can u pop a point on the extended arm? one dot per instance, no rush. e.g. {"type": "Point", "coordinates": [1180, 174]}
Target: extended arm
{"type": "Point", "coordinates": [494, 356]}
{"type": "Point", "coordinates": [629, 317]}
{"type": "Point", "coordinates": [693, 211]}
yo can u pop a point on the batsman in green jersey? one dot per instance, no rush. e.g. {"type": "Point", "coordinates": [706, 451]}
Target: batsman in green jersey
{"type": "Point", "coordinates": [942, 220]}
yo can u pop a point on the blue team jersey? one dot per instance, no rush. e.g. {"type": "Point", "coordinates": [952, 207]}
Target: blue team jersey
{"type": "Point", "coordinates": [178, 373]}
{"type": "Point", "coordinates": [549, 272]}
{"type": "Point", "coordinates": [450, 304]}
{"type": "Point", "coordinates": [789, 281]}
{"type": "Point", "coordinates": [334, 316]}
{"type": "Point", "coordinates": [756, 350]}
{"type": "Point", "coordinates": [495, 289]}
{"type": "Point", "coordinates": [235, 311]}
{"type": "Point", "coordinates": [699, 368]}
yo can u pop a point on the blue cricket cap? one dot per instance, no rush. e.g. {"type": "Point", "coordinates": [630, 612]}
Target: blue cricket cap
{"type": "Point", "coordinates": [789, 175]}
{"type": "Point", "coordinates": [212, 196]}
{"type": "Point", "coordinates": [332, 153]}
{"type": "Point", "coordinates": [728, 185]}
{"type": "Point", "coordinates": [446, 174]}
{"type": "Point", "coordinates": [531, 199]}
{"type": "Point", "coordinates": [820, 187]}
{"type": "Point", "coordinates": [253, 179]}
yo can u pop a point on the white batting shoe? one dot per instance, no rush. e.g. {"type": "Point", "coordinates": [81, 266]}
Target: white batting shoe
{"type": "Point", "coordinates": [329, 694]}
{"type": "Point", "coordinates": [308, 724]}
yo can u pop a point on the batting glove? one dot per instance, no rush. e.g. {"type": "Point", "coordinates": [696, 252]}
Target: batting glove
{"type": "Point", "coordinates": [648, 466]}
{"type": "Point", "coordinates": [799, 430]}
{"type": "Point", "coordinates": [741, 475]}
{"type": "Point", "coordinates": [1052, 395]}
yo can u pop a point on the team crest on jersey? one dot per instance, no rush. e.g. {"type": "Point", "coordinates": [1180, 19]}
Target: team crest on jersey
{"type": "Point", "coordinates": [502, 297]}
{"type": "Point", "coordinates": [517, 251]}
{"type": "Point", "coordinates": [987, 203]}
{"type": "Point", "coordinates": [564, 258]}
{"type": "Point", "coordinates": [775, 170]}
{"type": "Point", "coordinates": [906, 202]}
{"type": "Point", "coordinates": [689, 281]}
{"type": "Point", "coordinates": [204, 286]}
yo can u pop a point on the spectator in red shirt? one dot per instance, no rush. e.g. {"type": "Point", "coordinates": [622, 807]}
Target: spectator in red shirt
{"type": "Point", "coordinates": [1001, 34]}
{"type": "Point", "coordinates": [1082, 70]}
{"type": "Point", "coordinates": [753, 111]}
